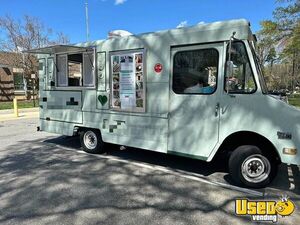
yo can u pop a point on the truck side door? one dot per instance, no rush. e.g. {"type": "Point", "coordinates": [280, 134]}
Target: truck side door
{"type": "Point", "coordinates": [194, 99]}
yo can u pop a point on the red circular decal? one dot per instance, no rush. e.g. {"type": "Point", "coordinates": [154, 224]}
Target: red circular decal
{"type": "Point", "coordinates": [158, 68]}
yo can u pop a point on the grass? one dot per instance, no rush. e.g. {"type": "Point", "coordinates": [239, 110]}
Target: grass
{"type": "Point", "coordinates": [21, 104]}
{"type": "Point", "coordinates": [295, 100]}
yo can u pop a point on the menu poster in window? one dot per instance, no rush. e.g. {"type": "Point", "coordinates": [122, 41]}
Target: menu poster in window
{"type": "Point", "coordinates": [116, 81]}
{"type": "Point", "coordinates": [127, 82]}
{"type": "Point", "coordinates": [139, 80]}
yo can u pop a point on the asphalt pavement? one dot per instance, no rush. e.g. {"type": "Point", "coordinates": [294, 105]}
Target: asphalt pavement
{"type": "Point", "coordinates": [47, 179]}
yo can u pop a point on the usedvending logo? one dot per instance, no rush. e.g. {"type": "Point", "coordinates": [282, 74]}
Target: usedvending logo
{"type": "Point", "coordinates": [264, 210]}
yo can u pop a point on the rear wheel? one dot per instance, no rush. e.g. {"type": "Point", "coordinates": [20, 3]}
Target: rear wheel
{"type": "Point", "coordinates": [248, 166]}
{"type": "Point", "coordinates": [91, 141]}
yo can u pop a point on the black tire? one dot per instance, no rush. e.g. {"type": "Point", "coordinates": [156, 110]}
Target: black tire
{"type": "Point", "coordinates": [249, 167]}
{"type": "Point", "coordinates": [91, 141]}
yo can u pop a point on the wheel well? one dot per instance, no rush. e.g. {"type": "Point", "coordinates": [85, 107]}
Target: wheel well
{"type": "Point", "coordinates": [78, 129]}
{"type": "Point", "coordinates": [248, 138]}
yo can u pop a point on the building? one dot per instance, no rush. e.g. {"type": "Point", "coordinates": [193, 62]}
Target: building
{"type": "Point", "coordinates": [12, 82]}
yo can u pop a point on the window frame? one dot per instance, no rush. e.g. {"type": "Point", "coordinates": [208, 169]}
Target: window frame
{"type": "Point", "coordinates": [53, 66]}
{"type": "Point", "coordinates": [93, 67]}
{"type": "Point", "coordinates": [67, 71]}
{"type": "Point", "coordinates": [250, 65]}
{"type": "Point", "coordinates": [56, 71]}
{"type": "Point", "coordinates": [42, 74]}
{"type": "Point", "coordinates": [196, 49]}
{"type": "Point", "coordinates": [43, 70]}
{"type": "Point", "coordinates": [53, 71]}
{"type": "Point", "coordinates": [101, 80]}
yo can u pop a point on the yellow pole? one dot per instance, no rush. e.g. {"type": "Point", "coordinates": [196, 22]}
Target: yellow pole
{"type": "Point", "coordinates": [16, 107]}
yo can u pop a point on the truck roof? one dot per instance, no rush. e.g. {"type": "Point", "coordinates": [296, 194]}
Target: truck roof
{"type": "Point", "coordinates": [203, 27]}
{"type": "Point", "coordinates": [159, 40]}
{"type": "Point", "coordinates": [210, 32]}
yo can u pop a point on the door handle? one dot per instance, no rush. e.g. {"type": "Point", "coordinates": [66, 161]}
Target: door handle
{"type": "Point", "coordinates": [217, 109]}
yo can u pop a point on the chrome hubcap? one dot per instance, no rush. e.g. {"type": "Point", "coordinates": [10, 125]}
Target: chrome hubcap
{"type": "Point", "coordinates": [90, 139]}
{"type": "Point", "coordinates": [256, 168]}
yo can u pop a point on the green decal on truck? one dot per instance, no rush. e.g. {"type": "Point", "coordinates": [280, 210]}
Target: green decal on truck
{"type": "Point", "coordinates": [102, 99]}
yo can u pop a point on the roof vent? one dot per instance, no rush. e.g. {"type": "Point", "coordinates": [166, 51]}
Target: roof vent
{"type": "Point", "coordinates": [118, 33]}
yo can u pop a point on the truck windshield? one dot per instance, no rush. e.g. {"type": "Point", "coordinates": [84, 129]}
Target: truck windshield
{"type": "Point", "coordinates": [261, 77]}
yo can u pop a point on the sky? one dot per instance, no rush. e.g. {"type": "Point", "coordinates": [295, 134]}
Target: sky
{"type": "Point", "coordinates": [135, 16]}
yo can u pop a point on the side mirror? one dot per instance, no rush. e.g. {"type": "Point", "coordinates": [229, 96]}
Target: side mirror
{"type": "Point", "coordinates": [229, 63]}
{"type": "Point", "coordinates": [229, 69]}
{"type": "Point", "coordinates": [229, 73]}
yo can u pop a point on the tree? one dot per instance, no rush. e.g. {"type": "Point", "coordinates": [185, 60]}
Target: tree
{"type": "Point", "coordinates": [283, 34]}
{"type": "Point", "coordinates": [266, 48]}
{"type": "Point", "coordinates": [24, 35]}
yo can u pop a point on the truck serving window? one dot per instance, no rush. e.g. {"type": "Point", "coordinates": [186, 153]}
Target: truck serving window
{"type": "Point", "coordinates": [195, 71]}
{"type": "Point", "coordinates": [75, 70]}
{"type": "Point", "coordinates": [242, 80]}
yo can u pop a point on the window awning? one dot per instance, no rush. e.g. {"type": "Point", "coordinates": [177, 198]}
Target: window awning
{"type": "Point", "coordinates": [55, 49]}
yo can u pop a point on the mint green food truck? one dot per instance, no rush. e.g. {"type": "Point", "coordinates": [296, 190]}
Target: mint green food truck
{"type": "Point", "coordinates": [196, 92]}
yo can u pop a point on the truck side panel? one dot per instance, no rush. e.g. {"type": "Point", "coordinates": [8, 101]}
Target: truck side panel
{"type": "Point", "coordinates": [62, 106]}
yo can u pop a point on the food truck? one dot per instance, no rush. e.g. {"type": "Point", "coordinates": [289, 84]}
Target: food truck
{"type": "Point", "coordinates": [195, 91]}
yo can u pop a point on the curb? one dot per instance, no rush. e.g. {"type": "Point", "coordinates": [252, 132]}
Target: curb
{"type": "Point", "coordinates": [28, 115]}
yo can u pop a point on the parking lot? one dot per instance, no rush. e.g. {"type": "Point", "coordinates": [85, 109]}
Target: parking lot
{"type": "Point", "coordinates": [47, 179]}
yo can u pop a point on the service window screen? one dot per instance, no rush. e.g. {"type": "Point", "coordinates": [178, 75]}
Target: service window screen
{"type": "Point", "coordinates": [127, 81]}
{"type": "Point", "coordinates": [62, 79]}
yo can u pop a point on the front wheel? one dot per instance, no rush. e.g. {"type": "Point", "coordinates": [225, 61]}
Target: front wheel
{"type": "Point", "coordinates": [248, 166]}
{"type": "Point", "coordinates": [91, 141]}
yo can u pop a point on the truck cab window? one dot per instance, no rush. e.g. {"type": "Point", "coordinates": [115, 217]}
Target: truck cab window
{"type": "Point", "coordinates": [195, 71]}
{"type": "Point", "coordinates": [242, 80]}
